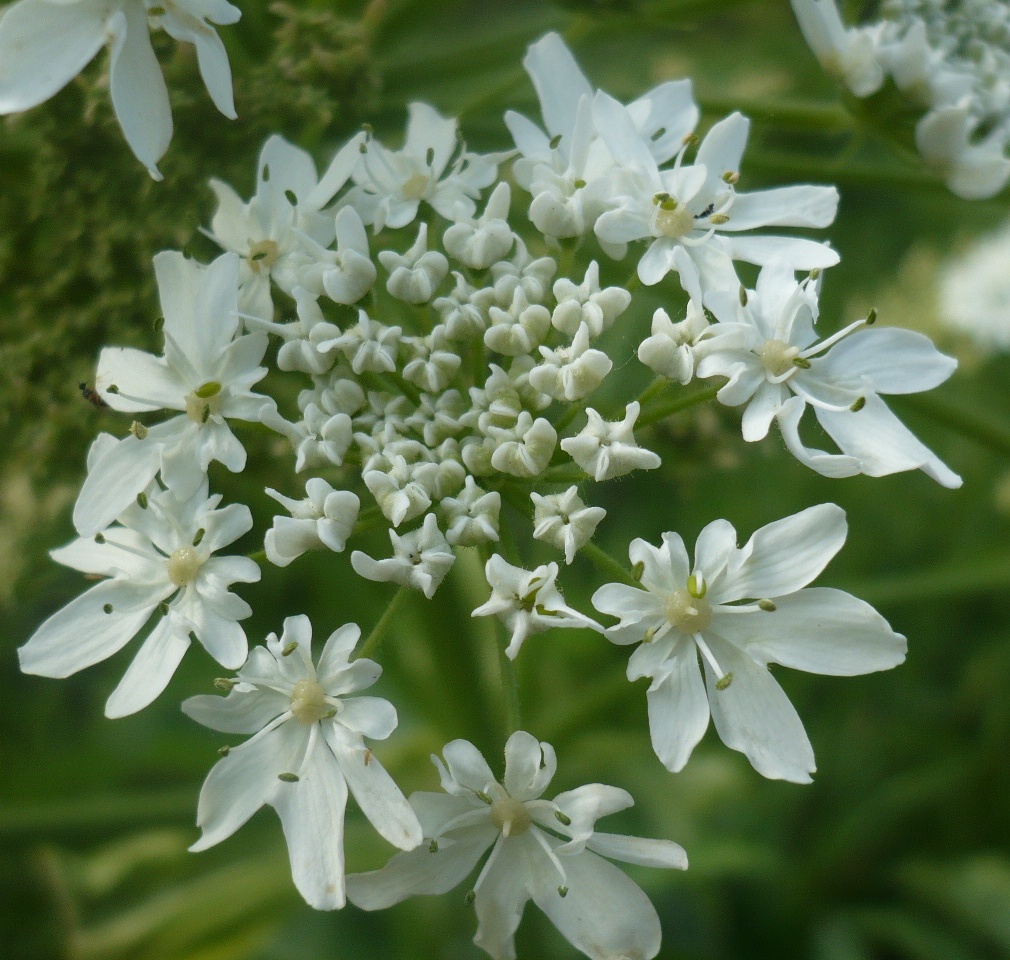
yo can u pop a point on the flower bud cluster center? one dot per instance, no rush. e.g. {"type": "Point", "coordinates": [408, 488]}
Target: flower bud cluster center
{"type": "Point", "coordinates": [183, 566]}
{"type": "Point", "coordinates": [308, 702]}
{"type": "Point", "coordinates": [510, 816]}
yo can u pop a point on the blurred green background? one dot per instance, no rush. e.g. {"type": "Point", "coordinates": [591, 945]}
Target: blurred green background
{"type": "Point", "coordinates": [898, 851]}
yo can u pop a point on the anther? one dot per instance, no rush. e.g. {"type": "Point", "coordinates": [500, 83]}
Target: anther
{"type": "Point", "coordinates": [199, 537]}
{"type": "Point", "coordinates": [225, 683]}
{"type": "Point", "coordinates": [562, 892]}
{"type": "Point", "coordinates": [802, 362]}
{"type": "Point", "coordinates": [99, 538]}
{"type": "Point", "coordinates": [433, 847]}
{"type": "Point", "coordinates": [291, 198]}
{"type": "Point", "coordinates": [555, 142]}
{"type": "Point", "coordinates": [469, 898]}
{"type": "Point", "coordinates": [767, 606]}
{"type": "Point", "coordinates": [112, 389]}
{"type": "Point", "coordinates": [224, 751]}
{"type": "Point", "coordinates": [743, 296]}
{"type": "Point", "coordinates": [562, 818]}
{"type": "Point", "coordinates": [731, 177]}
{"type": "Point", "coordinates": [481, 795]}
{"type": "Point", "coordinates": [142, 500]}
{"type": "Point", "coordinates": [138, 430]}
{"type": "Point", "coordinates": [638, 569]}
{"type": "Point", "coordinates": [724, 681]}
{"type": "Point", "coordinates": [107, 608]}
{"type": "Point", "coordinates": [871, 316]}
{"type": "Point", "coordinates": [858, 405]}
{"type": "Point", "coordinates": [289, 649]}
{"type": "Point", "coordinates": [719, 219]}
{"type": "Point", "coordinates": [288, 777]}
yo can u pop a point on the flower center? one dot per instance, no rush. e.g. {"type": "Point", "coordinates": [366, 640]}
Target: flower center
{"type": "Point", "coordinates": [687, 613]}
{"type": "Point", "coordinates": [510, 816]}
{"type": "Point", "coordinates": [308, 702]}
{"type": "Point", "coordinates": [777, 357]}
{"type": "Point", "coordinates": [673, 219]}
{"type": "Point", "coordinates": [416, 187]}
{"type": "Point", "coordinates": [183, 566]}
{"type": "Point", "coordinates": [263, 255]}
{"type": "Point", "coordinates": [204, 401]}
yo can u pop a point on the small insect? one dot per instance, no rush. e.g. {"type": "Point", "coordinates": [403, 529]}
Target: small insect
{"type": "Point", "coordinates": [707, 212]}
{"type": "Point", "coordinates": [368, 757]}
{"type": "Point", "coordinates": [92, 396]}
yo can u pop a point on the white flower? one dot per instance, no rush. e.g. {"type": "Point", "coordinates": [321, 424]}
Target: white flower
{"type": "Point", "coordinates": [280, 234]}
{"type": "Point", "coordinates": [564, 521]}
{"type": "Point", "coordinates": [472, 515]}
{"type": "Point", "coordinates": [368, 345]}
{"type": "Point", "coordinates": [768, 351]}
{"type": "Point", "coordinates": [482, 242]}
{"type": "Point", "coordinates": [435, 364]}
{"type": "Point", "coordinates": [586, 303]}
{"type": "Point", "coordinates": [307, 752]}
{"type": "Point", "coordinates": [325, 518]}
{"type": "Point", "coordinates": [848, 53]}
{"type": "Point", "coordinates": [44, 44]}
{"type": "Point", "coordinates": [696, 208]}
{"type": "Point", "coordinates": [607, 449]}
{"type": "Point", "coordinates": [972, 167]}
{"type": "Point", "coordinates": [683, 611]}
{"type": "Point", "coordinates": [397, 491]}
{"type": "Point", "coordinates": [533, 276]}
{"type": "Point", "coordinates": [159, 555]}
{"type": "Point", "coordinates": [351, 273]}
{"type": "Point", "coordinates": [430, 167]}
{"type": "Point", "coordinates": [524, 450]}
{"type": "Point", "coordinates": [527, 602]}
{"type": "Point", "coordinates": [414, 276]}
{"type": "Point", "coordinates": [421, 559]}
{"type": "Point", "coordinates": [206, 374]}
{"type": "Point", "coordinates": [571, 373]}
{"type": "Point", "coordinates": [548, 851]}
{"type": "Point", "coordinates": [519, 329]}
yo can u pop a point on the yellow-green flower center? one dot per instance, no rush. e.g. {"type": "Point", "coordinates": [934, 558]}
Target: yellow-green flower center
{"type": "Point", "coordinates": [674, 222]}
{"type": "Point", "coordinates": [204, 401]}
{"type": "Point", "coordinates": [510, 816]}
{"type": "Point", "coordinates": [183, 566]}
{"type": "Point", "coordinates": [688, 613]}
{"type": "Point", "coordinates": [308, 702]}
{"type": "Point", "coordinates": [263, 255]}
{"type": "Point", "coordinates": [416, 187]}
{"type": "Point", "coordinates": [777, 357]}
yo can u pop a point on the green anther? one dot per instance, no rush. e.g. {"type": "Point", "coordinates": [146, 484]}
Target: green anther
{"type": "Point", "coordinates": [142, 500]}
{"type": "Point", "coordinates": [329, 715]}
{"type": "Point", "coordinates": [719, 219]}
{"type": "Point", "coordinates": [562, 892]}
{"type": "Point", "coordinates": [469, 898]}
{"type": "Point", "coordinates": [107, 608]}
{"type": "Point", "coordinates": [668, 204]}
{"type": "Point", "coordinates": [691, 140]}
{"type": "Point", "coordinates": [555, 142]}
{"type": "Point", "coordinates": [199, 537]}
{"type": "Point", "coordinates": [258, 255]}
{"type": "Point", "coordinates": [429, 156]}
{"type": "Point", "coordinates": [156, 12]}
{"type": "Point", "coordinates": [743, 296]}
{"type": "Point", "coordinates": [291, 198]}
{"type": "Point", "coordinates": [138, 430]}
{"type": "Point", "coordinates": [767, 606]}
{"type": "Point", "coordinates": [659, 133]}
{"type": "Point", "coordinates": [730, 177]}
{"type": "Point", "coordinates": [205, 416]}
{"type": "Point", "coordinates": [696, 586]}
{"type": "Point", "coordinates": [871, 317]}
{"type": "Point", "coordinates": [210, 389]}
{"type": "Point", "coordinates": [858, 405]}
{"type": "Point", "coordinates": [815, 273]}
{"type": "Point", "coordinates": [289, 649]}
{"type": "Point", "coordinates": [724, 681]}
{"type": "Point", "coordinates": [660, 197]}
{"type": "Point", "coordinates": [224, 751]}
{"type": "Point", "coordinates": [266, 173]}
{"type": "Point", "coordinates": [433, 847]}
{"type": "Point", "coordinates": [99, 538]}
{"type": "Point", "coordinates": [160, 482]}
{"type": "Point", "coordinates": [802, 362]}
{"type": "Point", "coordinates": [288, 777]}
{"type": "Point", "coordinates": [638, 570]}
{"type": "Point", "coordinates": [649, 634]}
{"type": "Point", "coordinates": [579, 184]}
{"type": "Point", "coordinates": [224, 683]}
{"type": "Point", "coordinates": [362, 147]}
{"type": "Point", "coordinates": [562, 818]}
{"type": "Point", "coordinates": [481, 795]}
{"type": "Point", "coordinates": [113, 389]}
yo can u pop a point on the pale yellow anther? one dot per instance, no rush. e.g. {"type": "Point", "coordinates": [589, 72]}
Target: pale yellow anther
{"type": "Point", "coordinates": [308, 702]}
{"type": "Point", "coordinates": [510, 816]}
{"type": "Point", "coordinates": [183, 566]}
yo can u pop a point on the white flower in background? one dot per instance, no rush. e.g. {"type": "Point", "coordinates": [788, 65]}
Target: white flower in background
{"type": "Point", "coordinates": [159, 555]}
{"type": "Point", "coordinates": [324, 519]}
{"type": "Point", "coordinates": [280, 234]}
{"type": "Point", "coordinates": [683, 612]}
{"type": "Point", "coordinates": [527, 602]}
{"type": "Point", "coordinates": [973, 167]}
{"type": "Point", "coordinates": [547, 851]}
{"type": "Point", "coordinates": [586, 303]}
{"type": "Point", "coordinates": [307, 752]}
{"type": "Point", "coordinates": [420, 560]}
{"type": "Point", "coordinates": [571, 373]}
{"type": "Point", "coordinates": [975, 291]}
{"type": "Point", "coordinates": [767, 349]}
{"type": "Point", "coordinates": [472, 515]}
{"type": "Point", "coordinates": [482, 242]}
{"type": "Point", "coordinates": [368, 345]}
{"type": "Point", "coordinates": [206, 374]}
{"type": "Point", "coordinates": [44, 44]}
{"type": "Point", "coordinates": [432, 166]}
{"type": "Point", "coordinates": [414, 276]}
{"type": "Point", "coordinates": [524, 450]}
{"type": "Point", "coordinates": [848, 53]}
{"type": "Point", "coordinates": [696, 208]}
{"type": "Point", "coordinates": [564, 521]}
{"type": "Point", "coordinates": [606, 449]}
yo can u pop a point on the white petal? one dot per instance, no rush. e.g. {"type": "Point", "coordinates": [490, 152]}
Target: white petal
{"type": "Point", "coordinates": [605, 914]}
{"type": "Point", "coordinates": [467, 766]}
{"type": "Point", "coordinates": [722, 149]}
{"type": "Point", "coordinates": [138, 90]}
{"type": "Point", "coordinates": [799, 253]}
{"type": "Point", "coordinates": [142, 381]}
{"type": "Point", "coordinates": [641, 850]}
{"type": "Point", "coordinates": [801, 206]}
{"type": "Point", "coordinates": [586, 804]}
{"type": "Point", "coordinates": [337, 174]}
{"type": "Point", "coordinates": [312, 814]}
{"type": "Point", "coordinates": [754, 716]}
{"type": "Point", "coordinates": [43, 46]}
{"type": "Point", "coordinates": [239, 712]}
{"type": "Point", "coordinates": [151, 670]}
{"type": "Point", "coordinates": [373, 788]}
{"type": "Point", "coordinates": [502, 893]}
{"type": "Point", "coordinates": [678, 708]}
{"type": "Point", "coordinates": [337, 652]}
{"type": "Point", "coordinates": [240, 783]}
{"type": "Point", "coordinates": [523, 754]}
{"type": "Point", "coordinates": [420, 871]}
{"type": "Point", "coordinates": [784, 556]}
{"type": "Point", "coordinates": [82, 633]}
{"type": "Point", "coordinates": [215, 70]}
{"type": "Point", "coordinates": [370, 717]}
{"type": "Point", "coordinates": [819, 630]}
{"type": "Point", "coordinates": [559, 82]}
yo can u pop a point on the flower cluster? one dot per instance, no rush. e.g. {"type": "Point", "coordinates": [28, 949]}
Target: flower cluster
{"type": "Point", "coordinates": [447, 355]}
{"type": "Point", "coordinates": [951, 63]}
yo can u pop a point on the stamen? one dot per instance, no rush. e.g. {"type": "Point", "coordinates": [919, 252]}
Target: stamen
{"type": "Point", "coordinates": [709, 656]}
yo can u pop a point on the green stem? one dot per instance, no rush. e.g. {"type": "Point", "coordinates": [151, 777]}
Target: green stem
{"type": "Point", "coordinates": [830, 117]}
{"type": "Point", "coordinates": [371, 644]}
{"type": "Point", "coordinates": [260, 556]}
{"type": "Point", "coordinates": [675, 405]}
{"type": "Point", "coordinates": [605, 563]}
{"type": "Point", "coordinates": [573, 410]}
{"type": "Point", "coordinates": [510, 688]}
{"type": "Point", "coordinates": [653, 390]}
